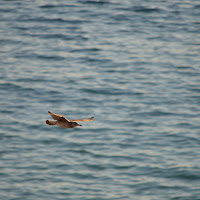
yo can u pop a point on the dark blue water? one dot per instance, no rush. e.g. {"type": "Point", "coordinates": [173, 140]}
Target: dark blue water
{"type": "Point", "coordinates": [134, 65]}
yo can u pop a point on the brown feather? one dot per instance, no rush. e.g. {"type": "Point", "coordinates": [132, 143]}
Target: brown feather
{"type": "Point", "coordinates": [82, 120]}
{"type": "Point", "coordinates": [58, 117]}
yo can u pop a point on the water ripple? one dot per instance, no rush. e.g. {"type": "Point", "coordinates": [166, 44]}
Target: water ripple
{"type": "Point", "coordinates": [134, 66]}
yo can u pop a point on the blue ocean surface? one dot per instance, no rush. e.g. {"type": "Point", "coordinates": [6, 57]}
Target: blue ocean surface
{"type": "Point", "coordinates": [134, 65]}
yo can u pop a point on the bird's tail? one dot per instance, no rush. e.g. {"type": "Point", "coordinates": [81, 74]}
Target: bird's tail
{"type": "Point", "coordinates": [51, 122]}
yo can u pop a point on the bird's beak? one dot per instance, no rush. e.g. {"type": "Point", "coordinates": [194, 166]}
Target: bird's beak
{"type": "Point", "coordinates": [80, 125]}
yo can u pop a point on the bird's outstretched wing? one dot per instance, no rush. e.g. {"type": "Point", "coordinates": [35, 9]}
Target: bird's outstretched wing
{"type": "Point", "coordinates": [82, 120]}
{"type": "Point", "coordinates": [58, 117]}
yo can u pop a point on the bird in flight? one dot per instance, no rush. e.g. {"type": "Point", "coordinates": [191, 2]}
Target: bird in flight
{"type": "Point", "coordinates": [63, 122]}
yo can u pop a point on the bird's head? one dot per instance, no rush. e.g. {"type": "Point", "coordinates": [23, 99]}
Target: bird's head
{"type": "Point", "coordinates": [74, 124]}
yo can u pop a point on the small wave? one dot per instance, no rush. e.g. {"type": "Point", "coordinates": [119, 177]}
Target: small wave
{"type": "Point", "coordinates": [95, 167]}
{"type": "Point", "coordinates": [182, 174]}
{"type": "Point", "coordinates": [85, 50]}
{"type": "Point", "coordinates": [8, 136]}
{"type": "Point", "coordinates": [146, 9]}
{"type": "Point", "coordinates": [106, 91]}
{"type": "Point", "coordinates": [30, 79]}
{"type": "Point", "coordinates": [9, 86]}
{"type": "Point", "coordinates": [49, 6]}
{"type": "Point", "coordinates": [6, 10]}
{"type": "Point", "coordinates": [48, 57]}
{"type": "Point", "coordinates": [6, 111]}
{"type": "Point", "coordinates": [98, 2]}
{"type": "Point", "coordinates": [52, 36]}
{"type": "Point", "coordinates": [197, 6]}
{"type": "Point", "coordinates": [54, 20]}
{"type": "Point", "coordinates": [40, 56]}
{"type": "Point", "coordinates": [157, 113]}
{"type": "Point", "coordinates": [58, 36]}
{"type": "Point", "coordinates": [82, 175]}
{"type": "Point", "coordinates": [9, 41]}
{"type": "Point", "coordinates": [50, 141]}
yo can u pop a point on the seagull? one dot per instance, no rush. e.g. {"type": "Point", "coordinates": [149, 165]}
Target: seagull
{"type": "Point", "coordinates": [63, 122]}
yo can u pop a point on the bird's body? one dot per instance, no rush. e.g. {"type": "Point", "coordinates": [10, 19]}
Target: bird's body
{"type": "Point", "coordinates": [63, 122]}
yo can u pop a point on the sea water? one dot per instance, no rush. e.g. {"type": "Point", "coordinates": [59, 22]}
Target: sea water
{"type": "Point", "coordinates": [134, 65]}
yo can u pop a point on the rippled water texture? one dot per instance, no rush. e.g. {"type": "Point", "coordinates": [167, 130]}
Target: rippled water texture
{"type": "Point", "coordinates": [134, 66]}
